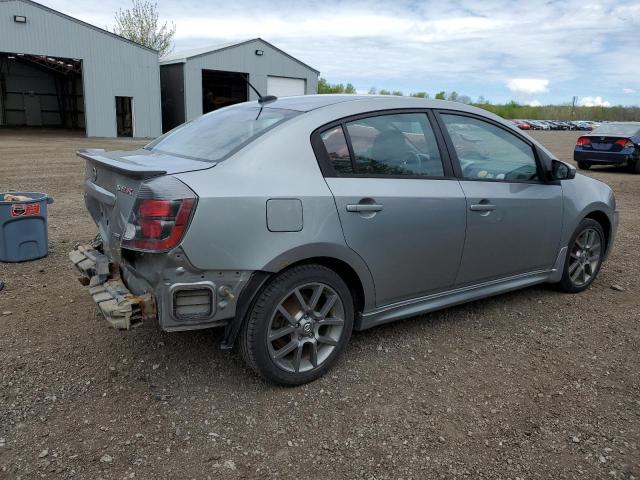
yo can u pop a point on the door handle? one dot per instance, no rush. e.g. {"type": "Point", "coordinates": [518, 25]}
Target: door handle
{"type": "Point", "coordinates": [364, 207]}
{"type": "Point", "coordinates": [482, 207]}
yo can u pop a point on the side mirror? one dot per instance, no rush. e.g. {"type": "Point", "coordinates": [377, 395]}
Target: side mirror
{"type": "Point", "coordinates": [562, 171]}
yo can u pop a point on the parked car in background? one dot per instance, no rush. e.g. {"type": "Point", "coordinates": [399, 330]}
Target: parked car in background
{"type": "Point", "coordinates": [538, 125]}
{"type": "Point", "coordinates": [521, 124]}
{"type": "Point", "coordinates": [582, 125]}
{"type": "Point", "coordinates": [292, 222]}
{"type": "Point", "coordinates": [613, 143]}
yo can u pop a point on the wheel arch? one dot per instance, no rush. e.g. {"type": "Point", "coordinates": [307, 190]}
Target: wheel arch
{"type": "Point", "coordinates": [603, 219]}
{"type": "Point", "coordinates": [341, 259]}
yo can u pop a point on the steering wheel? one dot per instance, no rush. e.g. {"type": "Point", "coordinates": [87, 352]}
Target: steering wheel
{"type": "Point", "coordinates": [412, 159]}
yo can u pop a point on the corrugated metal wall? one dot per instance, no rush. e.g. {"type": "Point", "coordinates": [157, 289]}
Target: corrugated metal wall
{"type": "Point", "coordinates": [242, 58]}
{"type": "Point", "coordinates": [111, 67]}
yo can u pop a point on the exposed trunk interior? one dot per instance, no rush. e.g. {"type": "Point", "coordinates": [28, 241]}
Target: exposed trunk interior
{"type": "Point", "coordinates": [40, 91]}
{"type": "Point", "coordinates": [221, 89]}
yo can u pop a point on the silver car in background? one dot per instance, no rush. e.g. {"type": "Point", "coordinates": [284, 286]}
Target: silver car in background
{"type": "Point", "coordinates": [292, 222]}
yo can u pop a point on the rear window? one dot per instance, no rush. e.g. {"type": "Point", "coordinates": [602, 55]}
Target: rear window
{"type": "Point", "coordinates": [617, 129]}
{"type": "Point", "coordinates": [216, 135]}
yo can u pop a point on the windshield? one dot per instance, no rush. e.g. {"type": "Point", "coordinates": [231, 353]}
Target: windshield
{"type": "Point", "coordinates": [618, 129]}
{"type": "Point", "coordinates": [216, 135]}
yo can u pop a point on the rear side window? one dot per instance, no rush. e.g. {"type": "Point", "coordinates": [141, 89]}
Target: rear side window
{"type": "Point", "coordinates": [488, 152]}
{"type": "Point", "coordinates": [393, 145]}
{"type": "Point", "coordinates": [337, 149]}
{"type": "Point", "coordinates": [214, 136]}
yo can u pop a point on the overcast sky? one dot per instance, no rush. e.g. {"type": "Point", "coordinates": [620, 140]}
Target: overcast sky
{"type": "Point", "coordinates": [532, 51]}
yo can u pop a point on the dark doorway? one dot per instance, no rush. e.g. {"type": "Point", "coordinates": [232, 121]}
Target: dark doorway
{"type": "Point", "coordinates": [41, 92]}
{"type": "Point", "coordinates": [124, 116]}
{"type": "Point", "coordinates": [172, 95]}
{"type": "Point", "coordinates": [221, 89]}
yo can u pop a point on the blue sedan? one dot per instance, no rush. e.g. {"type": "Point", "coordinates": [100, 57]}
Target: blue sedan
{"type": "Point", "coordinates": [616, 143]}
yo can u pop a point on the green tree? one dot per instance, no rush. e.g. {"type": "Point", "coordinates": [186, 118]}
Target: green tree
{"type": "Point", "coordinates": [323, 85]}
{"type": "Point", "coordinates": [441, 95]}
{"type": "Point", "coordinates": [453, 96]}
{"type": "Point", "coordinates": [141, 24]}
{"type": "Point", "coordinates": [420, 95]}
{"type": "Point", "coordinates": [384, 92]}
{"type": "Point", "coordinates": [397, 93]}
{"type": "Point", "coordinates": [373, 91]}
{"type": "Point", "coordinates": [326, 87]}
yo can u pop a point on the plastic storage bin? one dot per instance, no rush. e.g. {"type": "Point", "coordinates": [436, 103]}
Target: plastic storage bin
{"type": "Point", "coordinates": [24, 227]}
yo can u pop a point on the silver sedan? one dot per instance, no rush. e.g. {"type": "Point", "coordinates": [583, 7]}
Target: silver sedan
{"type": "Point", "coordinates": [292, 222]}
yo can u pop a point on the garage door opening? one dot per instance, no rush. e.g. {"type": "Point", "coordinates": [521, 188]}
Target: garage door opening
{"type": "Point", "coordinates": [41, 92]}
{"type": "Point", "coordinates": [221, 89]}
{"type": "Point", "coordinates": [124, 116]}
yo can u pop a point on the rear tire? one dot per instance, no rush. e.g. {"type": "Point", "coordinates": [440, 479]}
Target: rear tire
{"type": "Point", "coordinates": [584, 257]}
{"type": "Point", "coordinates": [584, 165]}
{"type": "Point", "coordinates": [298, 326]}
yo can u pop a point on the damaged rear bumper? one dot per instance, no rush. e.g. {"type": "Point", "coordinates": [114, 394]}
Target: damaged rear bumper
{"type": "Point", "coordinates": [121, 308]}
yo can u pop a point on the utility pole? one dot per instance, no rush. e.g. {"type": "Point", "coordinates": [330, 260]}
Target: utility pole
{"type": "Point", "coordinates": [573, 108]}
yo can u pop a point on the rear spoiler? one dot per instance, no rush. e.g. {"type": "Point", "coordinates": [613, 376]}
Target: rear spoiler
{"type": "Point", "coordinates": [128, 168]}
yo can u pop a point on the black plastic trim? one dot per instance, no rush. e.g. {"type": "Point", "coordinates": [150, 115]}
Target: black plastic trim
{"type": "Point", "coordinates": [243, 305]}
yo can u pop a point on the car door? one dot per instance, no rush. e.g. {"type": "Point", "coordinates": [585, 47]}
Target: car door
{"type": "Point", "coordinates": [514, 217]}
{"type": "Point", "coordinates": [400, 207]}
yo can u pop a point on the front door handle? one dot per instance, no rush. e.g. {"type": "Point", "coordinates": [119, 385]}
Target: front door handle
{"type": "Point", "coordinates": [482, 207]}
{"type": "Point", "coordinates": [364, 207]}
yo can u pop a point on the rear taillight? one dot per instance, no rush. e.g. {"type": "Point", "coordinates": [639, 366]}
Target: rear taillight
{"type": "Point", "coordinates": [624, 142]}
{"type": "Point", "coordinates": [160, 216]}
{"type": "Point", "coordinates": [583, 141]}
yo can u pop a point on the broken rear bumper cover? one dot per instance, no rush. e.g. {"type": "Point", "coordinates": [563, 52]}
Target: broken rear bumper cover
{"type": "Point", "coordinates": [165, 288]}
{"type": "Point", "coordinates": [122, 309]}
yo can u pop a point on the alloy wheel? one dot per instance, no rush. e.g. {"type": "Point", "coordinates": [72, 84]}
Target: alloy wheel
{"type": "Point", "coordinates": [585, 257]}
{"type": "Point", "coordinates": [305, 327]}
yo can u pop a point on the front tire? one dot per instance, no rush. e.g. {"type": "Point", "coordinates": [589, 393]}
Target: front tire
{"type": "Point", "coordinates": [584, 165]}
{"type": "Point", "coordinates": [298, 326]}
{"type": "Point", "coordinates": [584, 258]}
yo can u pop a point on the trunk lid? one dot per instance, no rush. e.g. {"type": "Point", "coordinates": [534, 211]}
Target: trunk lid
{"type": "Point", "coordinates": [605, 143]}
{"type": "Point", "coordinates": [112, 182]}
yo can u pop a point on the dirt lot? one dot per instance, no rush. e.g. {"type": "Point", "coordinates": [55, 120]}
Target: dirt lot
{"type": "Point", "coordinates": [533, 384]}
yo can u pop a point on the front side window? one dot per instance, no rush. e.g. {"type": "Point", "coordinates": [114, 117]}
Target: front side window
{"type": "Point", "coordinates": [488, 152]}
{"type": "Point", "coordinates": [215, 135]}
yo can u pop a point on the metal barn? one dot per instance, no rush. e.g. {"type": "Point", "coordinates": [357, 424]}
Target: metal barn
{"type": "Point", "coordinates": [199, 81]}
{"type": "Point", "coordinates": [57, 71]}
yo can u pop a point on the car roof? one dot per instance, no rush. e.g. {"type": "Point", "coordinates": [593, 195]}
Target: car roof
{"type": "Point", "coordinates": [307, 103]}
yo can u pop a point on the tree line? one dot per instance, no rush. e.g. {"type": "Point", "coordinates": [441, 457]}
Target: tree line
{"type": "Point", "coordinates": [511, 109]}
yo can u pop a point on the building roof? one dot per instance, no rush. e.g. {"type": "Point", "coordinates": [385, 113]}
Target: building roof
{"type": "Point", "coordinates": [85, 24]}
{"type": "Point", "coordinates": [184, 55]}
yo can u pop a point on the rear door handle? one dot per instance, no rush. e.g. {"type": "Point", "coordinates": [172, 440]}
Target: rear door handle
{"type": "Point", "coordinates": [482, 207]}
{"type": "Point", "coordinates": [364, 207]}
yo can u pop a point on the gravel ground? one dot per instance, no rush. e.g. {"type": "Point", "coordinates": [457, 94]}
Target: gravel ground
{"type": "Point", "coordinates": [532, 384]}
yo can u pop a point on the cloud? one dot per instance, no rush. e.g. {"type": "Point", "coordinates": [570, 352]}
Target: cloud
{"type": "Point", "coordinates": [495, 48]}
{"type": "Point", "coordinates": [628, 90]}
{"type": "Point", "coordinates": [593, 102]}
{"type": "Point", "coordinates": [528, 85]}
{"type": "Point", "coordinates": [534, 103]}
